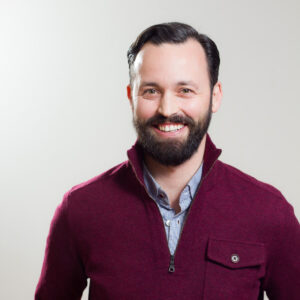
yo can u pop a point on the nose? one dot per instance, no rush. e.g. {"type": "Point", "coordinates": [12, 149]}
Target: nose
{"type": "Point", "coordinates": [167, 105]}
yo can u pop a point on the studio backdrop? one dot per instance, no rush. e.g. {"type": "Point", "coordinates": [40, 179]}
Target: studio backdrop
{"type": "Point", "coordinates": [65, 117]}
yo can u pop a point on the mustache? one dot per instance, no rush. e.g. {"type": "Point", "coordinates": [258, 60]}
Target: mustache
{"type": "Point", "coordinates": [160, 119]}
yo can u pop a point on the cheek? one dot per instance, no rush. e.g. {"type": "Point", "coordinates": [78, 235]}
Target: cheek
{"type": "Point", "coordinates": [196, 108]}
{"type": "Point", "coordinates": [145, 109]}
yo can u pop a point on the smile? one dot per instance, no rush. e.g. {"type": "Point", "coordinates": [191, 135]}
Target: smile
{"type": "Point", "coordinates": [169, 127]}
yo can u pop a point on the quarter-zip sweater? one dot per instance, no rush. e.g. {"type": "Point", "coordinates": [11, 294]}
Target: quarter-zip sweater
{"type": "Point", "coordinates": [240, 237]}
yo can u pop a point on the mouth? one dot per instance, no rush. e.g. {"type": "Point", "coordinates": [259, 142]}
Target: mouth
{"type": "Point", "coordinates": [169, 127]}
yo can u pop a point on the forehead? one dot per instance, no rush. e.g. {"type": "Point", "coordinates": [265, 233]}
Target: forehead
{"type": "Point", "coordinates": [168, 60]}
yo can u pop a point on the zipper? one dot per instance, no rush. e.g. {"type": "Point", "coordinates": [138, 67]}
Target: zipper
{"type": "Point", "coordinates": [171, 268]}
{"type": "Point", "coordinates": [172, 264]}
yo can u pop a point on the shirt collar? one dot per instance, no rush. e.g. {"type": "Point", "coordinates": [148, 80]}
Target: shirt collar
{"type": "Point", "coordinates": [155, 189]}
{"type": "Point", "coordinates": [195, 180]}
{"type": "Point", "coordinates": [152, 186]}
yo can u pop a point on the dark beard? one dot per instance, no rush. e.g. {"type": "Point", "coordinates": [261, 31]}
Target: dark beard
{"type": "Point", "coordinates": [172, 152]}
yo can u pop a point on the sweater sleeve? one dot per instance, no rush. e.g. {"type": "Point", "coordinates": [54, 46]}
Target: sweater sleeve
{"type": "Point", "coordinates": [62, 276]}
{"type": "Point", "coordinates": [283, 271]}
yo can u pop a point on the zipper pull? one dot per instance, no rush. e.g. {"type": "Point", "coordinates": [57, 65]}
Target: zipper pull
{"type": "Point", "coordinates": [172, 264]}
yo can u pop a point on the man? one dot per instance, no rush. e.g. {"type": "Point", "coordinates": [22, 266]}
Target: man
{"type": "Point", "coordinates": [173, 222]}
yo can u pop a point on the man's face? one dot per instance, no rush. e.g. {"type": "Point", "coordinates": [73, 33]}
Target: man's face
{"type": "Point", "coordinates": [171, 100]}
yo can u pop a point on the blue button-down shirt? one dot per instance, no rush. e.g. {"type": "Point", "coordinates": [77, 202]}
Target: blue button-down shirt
{"type": "Point", "coordinates": [173, 222]}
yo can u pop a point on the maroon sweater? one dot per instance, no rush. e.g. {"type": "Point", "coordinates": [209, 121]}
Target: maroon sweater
{"type": "Point", "coordinates": [241, 237]}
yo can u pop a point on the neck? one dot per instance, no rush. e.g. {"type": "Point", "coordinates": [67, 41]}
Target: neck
{"type": "Point", "coordinates": [175, 178]}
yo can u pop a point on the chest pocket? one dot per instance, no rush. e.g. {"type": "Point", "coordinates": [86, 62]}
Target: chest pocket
{"type": "Point", "coordinates": [233, 270]}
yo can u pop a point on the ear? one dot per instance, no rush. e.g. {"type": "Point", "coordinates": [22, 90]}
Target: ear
{"type": "Point", "coordinates": [129, 95]}
{"type": "Point", "coordinates": [217, 95]}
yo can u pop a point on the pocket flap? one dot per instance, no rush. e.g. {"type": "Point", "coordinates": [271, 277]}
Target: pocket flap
{"type": "Point", "coordinates": [235, 254]}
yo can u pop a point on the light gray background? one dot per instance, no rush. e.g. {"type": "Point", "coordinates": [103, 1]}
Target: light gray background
{"type": "Point", "coordinates": [64, 115]}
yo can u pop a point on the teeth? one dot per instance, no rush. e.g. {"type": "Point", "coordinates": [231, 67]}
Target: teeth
{"type": "Point", "coordinates": [168, 128]}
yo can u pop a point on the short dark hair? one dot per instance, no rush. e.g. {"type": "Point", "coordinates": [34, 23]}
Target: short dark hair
{"type": "Point", "coordinates": [175, 32]}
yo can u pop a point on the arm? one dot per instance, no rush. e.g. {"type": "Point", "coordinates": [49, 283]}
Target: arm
{"type": "Point", "coordinates": [62, 276]}
{"type": "Point", "coordinates": [283, 273]}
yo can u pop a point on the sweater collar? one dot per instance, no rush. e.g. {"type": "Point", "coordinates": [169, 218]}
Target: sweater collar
{"type": "Point", "coordinates": [211, 154]}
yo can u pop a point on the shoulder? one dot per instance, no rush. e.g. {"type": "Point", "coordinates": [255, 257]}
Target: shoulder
{"type": "Point", "coordinates": [241, 180]}
{"type": "Point", "coordinates": [258, 204]}
{"type": "Point", "coordinates": [96, 188]}
{"type": "Point", "coordinates": [258, 198]}
{"type": "Point", "coordinates": [102, 179]}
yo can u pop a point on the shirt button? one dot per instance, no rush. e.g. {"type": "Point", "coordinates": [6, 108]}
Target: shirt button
{"type": "Point", "coordinates": [235, 258]}
{"type": "Point", "coordinates": [168, 223]}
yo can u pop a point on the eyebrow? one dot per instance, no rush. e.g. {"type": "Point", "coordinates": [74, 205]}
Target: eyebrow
{"type": "Point", "coordinates": [148, 83]}
{"type": "Point", "coordinates": [152, 83]}
{"type": "Point", "coordinates": [189, 82]}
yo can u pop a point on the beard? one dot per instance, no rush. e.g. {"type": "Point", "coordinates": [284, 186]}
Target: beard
{"type": "Point", "coordinates": [172, 151]}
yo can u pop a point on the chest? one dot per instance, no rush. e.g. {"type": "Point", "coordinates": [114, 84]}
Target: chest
{"type": "Point", "coordinates": [127, 253]}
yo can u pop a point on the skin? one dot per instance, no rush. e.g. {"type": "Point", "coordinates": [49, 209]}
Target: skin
{"type": "Point", "coordinates": [172, 79]}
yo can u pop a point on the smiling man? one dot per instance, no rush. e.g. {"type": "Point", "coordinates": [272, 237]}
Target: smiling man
{"type": "Point", "coordinates": [173, 221]}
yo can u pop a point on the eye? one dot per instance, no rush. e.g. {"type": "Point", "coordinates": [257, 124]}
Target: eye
{"type": "Point", "coordinates": [149, 91]}
{"type": "Point", "coordinates": [186, 90]}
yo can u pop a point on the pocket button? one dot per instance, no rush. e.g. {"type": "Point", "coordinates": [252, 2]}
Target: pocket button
{"type": "Point", "coordinates": [235, 258]}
